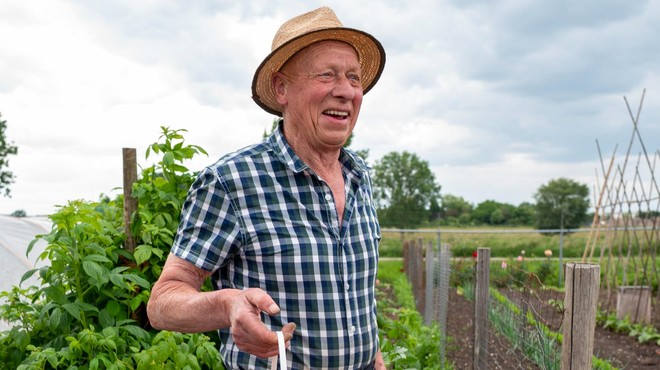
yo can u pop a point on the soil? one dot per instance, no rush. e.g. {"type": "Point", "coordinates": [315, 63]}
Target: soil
{"type": "Point", "coordinates": [621, 351]}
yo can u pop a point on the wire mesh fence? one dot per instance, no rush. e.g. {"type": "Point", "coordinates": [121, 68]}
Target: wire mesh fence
{"type": "Point", "coordinates": [522, 317]}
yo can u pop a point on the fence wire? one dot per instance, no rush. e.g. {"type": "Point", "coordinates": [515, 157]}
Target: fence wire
{"type": "Point", "coordinates": [523, 315]}
{"type": "Point", "coordinates": [522, 324]}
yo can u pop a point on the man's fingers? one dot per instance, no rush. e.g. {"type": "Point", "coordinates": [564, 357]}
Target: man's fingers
{"type": "Point", "coordinates": [260, 299]}
{"type": "Point", "coordinates": [248, 331]}
{"type": "Point", "coordinates": [288, 330]}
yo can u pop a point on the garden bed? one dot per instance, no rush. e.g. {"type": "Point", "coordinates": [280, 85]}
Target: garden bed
{"type": "Point", "coordinates": [622, 351]}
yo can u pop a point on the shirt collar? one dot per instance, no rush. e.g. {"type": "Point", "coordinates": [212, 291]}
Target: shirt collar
{"type": "Point", "coordinates": [285, 154]}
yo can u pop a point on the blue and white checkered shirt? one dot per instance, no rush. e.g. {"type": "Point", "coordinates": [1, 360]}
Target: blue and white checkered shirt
{"type": "Point", "coordinates": [261, 218]}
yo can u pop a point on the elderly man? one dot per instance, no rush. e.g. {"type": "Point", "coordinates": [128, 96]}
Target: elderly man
{"type": "Point", "coordinates": [286, 229]}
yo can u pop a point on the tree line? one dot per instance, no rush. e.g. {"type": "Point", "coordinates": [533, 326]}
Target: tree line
{"type": "Point", "coordinates": [408, 196]}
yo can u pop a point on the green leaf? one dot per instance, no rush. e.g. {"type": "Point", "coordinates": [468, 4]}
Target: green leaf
{"type": "Point", "coordinates": [73, 310]}
{"type": "Point", "coordinates": [28, 274]}
{"type": "Point", "coordinates": [96, 258]}
{"type": "Point", "coordinates": [168, 159]}
{"type": "Point", "coordinates": [138, 280]}
{"type": "Point", "coordinates": [31, 245]}
{"type": "Point", "coordinates": [86, 307]}
{"type": "Point", "coordinates": [137, 332]}
{"type": "Point", "coordinates": [113, 308]}
{"type": "Point", "coordinates": [55, 294]}
{"type": "Point", "coordinates": [142, 254]}
{"type": "Point", "coordinates": [94, 364]}
{"type": "Point", "coordinates": [110, 343]}
{"type": "Point", "coordinates": [118, 270]}
{"type": "Point", "coordinates": [52, 358]}
{"type": "Point", "coordinates": [105, 318]}
{"type": "Point", "coordinates": [55, 318]}
{"type": "Point", "coordinates": [117, 280]}
{"type": "Point", "coordinates": [135, 303]}
{"type": "Point", "coordinates": [94, 270]}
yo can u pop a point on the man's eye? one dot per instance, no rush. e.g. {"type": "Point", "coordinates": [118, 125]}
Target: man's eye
{"type": "Point", "coordinates": [324, 75]}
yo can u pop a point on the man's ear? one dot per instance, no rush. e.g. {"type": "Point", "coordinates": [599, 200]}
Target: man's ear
{"type": "Point", "coordinates": [279, 85]}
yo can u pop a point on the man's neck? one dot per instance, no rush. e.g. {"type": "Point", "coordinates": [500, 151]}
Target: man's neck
{"type": "Point", "coordinates": [323, 161]}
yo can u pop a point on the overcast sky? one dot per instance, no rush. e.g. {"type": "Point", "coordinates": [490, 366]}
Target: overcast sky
{"type": "Point", "coordinates": [499, 97]}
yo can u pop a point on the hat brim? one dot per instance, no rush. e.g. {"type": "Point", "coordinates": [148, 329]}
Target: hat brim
{"type": "Point", "coordinates": [370, 52]}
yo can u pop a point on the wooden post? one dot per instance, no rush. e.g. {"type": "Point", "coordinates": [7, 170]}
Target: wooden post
{"type": "Point", "coordinates": [419, 277]}
{"type": "Point", "coordinates": [130, 203]}
{"type": "Point", "coordinates": [416, 274]}
{"type": "Point", "coordinates": [481, 300]}
{"type": "Point", "coordinates": [430, 289]}
{"type": "Point", "coordinates": [443, 297]}
{"type": "Point", "coordinates": [581, 302]}
{"type": "Point", "coordinates": [406, 258]}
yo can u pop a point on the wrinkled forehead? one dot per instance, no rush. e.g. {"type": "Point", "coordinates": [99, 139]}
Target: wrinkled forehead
{"type": "Point", "coordinates": [315, 53]}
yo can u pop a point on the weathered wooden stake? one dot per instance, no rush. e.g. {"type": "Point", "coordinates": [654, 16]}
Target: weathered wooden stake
{"type": "Point", "coordinates": [406, 258]}
{"type": "Point", "coordinates": [580, 303]}
{"type": "Point", "coordinates": [429, 291]}
{"type": "Point", "coordinates": [418, 285]}
{"type": "Point", "coordinates": [130, 203]}
{"type": "Point", "coordinates": [481, 299]}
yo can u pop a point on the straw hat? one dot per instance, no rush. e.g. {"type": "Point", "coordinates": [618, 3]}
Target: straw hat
{"type": "Point", "coordinates": [301, 31]}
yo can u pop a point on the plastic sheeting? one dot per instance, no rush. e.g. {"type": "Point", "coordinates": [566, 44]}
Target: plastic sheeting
{"type": "Point", "coordinates": [16, 234]}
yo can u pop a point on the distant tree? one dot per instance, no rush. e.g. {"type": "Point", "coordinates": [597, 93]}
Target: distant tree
{"type": "Point", "coordinates": [435, 212]}
{"type": "Point", "coordinates": [524, 214]}
{"type": "Point", "coordinates": [648, 214]}
{"type": "Point", "coordinates": [561, 203]}
{"type": "Point", "coordinates": [6, 149]}
{"type": "Point", "coordinates": [491, 212]}
{"type": "Point", "coordinates": [455, 209]}
{"type": "Point", "coordinates": [273, 126]}
{"type": "Point", "coordinates": [404, 188]}
{"type": "Point", "coordinates": [19, 213]}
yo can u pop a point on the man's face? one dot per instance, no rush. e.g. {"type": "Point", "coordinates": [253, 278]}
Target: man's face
{"type": "Point", "coordinates": [321, 93]}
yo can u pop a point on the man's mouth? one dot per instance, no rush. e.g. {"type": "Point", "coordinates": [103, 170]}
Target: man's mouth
{"type": "Point", "coordinates": [336, 113]}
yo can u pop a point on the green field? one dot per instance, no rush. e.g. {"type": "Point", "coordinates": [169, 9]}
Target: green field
{"type": "Point", "coordinates": [507, 245]}
{"type": "Point", "coordinates": [509, 242]}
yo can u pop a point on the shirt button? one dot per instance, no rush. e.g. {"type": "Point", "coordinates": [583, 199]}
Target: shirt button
{"type": "Point", "coordinates": [352, 329]}
{"type": "Point", "coordinates": [328, 197]}
{"type": "Point", "coordinates": [347, 286]}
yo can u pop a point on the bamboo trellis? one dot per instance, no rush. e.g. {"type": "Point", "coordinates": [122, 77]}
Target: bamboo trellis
{"type": "Point", "coordinates": [625, 225]}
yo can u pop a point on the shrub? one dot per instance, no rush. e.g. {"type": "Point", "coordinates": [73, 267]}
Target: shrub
{"type": "Point", "coordinates": [89, 309]}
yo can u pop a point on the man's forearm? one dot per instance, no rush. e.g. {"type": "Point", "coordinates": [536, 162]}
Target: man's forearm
{"type": "Point", "coordinates": [180, 308]}
{"type": "Point", "coordinates": [177, 304]}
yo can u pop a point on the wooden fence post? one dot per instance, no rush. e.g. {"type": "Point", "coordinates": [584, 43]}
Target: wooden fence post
{"type": "Point", "coordinates": [130, 203]}
{"type": "Point", "coordinates": [430, 288]}
{"type": "Point", "coordinates": [580, 303]}
{"type": "Point", "coordinates": [419, 277]}
{"type": "Point", "coordinates": [481, 300]}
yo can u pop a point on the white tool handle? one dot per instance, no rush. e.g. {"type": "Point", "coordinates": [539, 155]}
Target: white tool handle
{"type": "Point", "coordinates": [282, 355]}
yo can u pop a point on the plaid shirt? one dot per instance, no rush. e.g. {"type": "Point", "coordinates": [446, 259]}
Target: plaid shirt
{"type": "Point", "coordinates": [261, 218]}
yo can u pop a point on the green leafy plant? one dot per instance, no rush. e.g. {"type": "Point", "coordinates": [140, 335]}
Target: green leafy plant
{"type": "Point", "coordinates": [88, 310]}
{"type": "Point", "coordinates": [406, 343]}
{"type": "Point", "coordinates": [643, 332]}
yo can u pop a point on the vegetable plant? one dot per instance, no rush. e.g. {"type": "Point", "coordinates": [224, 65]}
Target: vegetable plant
{"type": "Point", "coordinates": [88, 311]}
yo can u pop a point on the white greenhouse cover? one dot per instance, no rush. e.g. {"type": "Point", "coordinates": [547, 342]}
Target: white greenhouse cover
{"type": "Point", "coordinates": [16, 234]}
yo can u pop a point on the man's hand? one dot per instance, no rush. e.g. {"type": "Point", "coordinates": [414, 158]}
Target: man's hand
{"type": "Point", "coordinates": [248, 331]}
{"type": "Point", "coordinates": [177, 304]}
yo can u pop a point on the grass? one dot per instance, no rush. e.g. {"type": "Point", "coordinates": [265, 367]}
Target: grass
{"type": "Point", "coordinates": [507, 244]}
{"type": "Point", "coordinates": [464, 242]}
